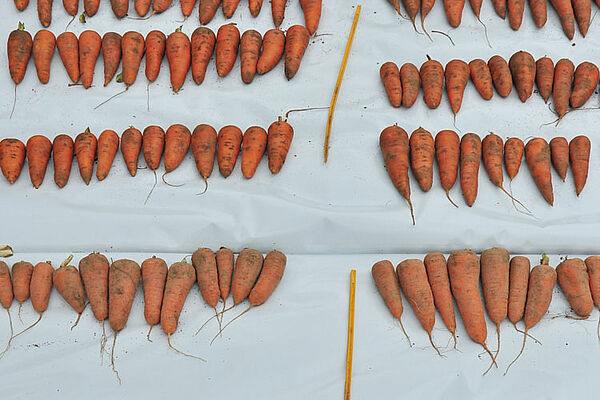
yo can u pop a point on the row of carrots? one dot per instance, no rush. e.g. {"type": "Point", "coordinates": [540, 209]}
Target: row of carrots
{"type": "Point", "coordinates": [206, 9]}
{"type": "Point", "coordinates": [569, 12]}
{"type": "Point", "coordinates": [79, 55]}
{"type": "Point", "coordinates": [205, 143]}
{"type": "Point", "coordinates": [450, 151]}
{"type": "Point", "coordinates": [510, 289]}
{"type": "Point", "coordinates": [111, 287]}
{"type": "Point", "coordinates": [566, 84]}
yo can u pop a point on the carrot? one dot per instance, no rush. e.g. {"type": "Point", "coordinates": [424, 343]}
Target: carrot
{"type": "Point", "coordinates": [522, 68]}
{"type": "Point", "coordinates": [515, 13]}
{"type": "Point", "coordinates": [538, 12]}
{"type": "Point", "coordinates": [208, 9]}
{"type": "Point", "coordinates": [500, 7]}
{"type": "Point", "coordinates": [132, 48]}
{"type": "Point", "coordinates": [388, 287]}
{"type": "Point", "coordinates": [19, 48]}
{"type": "Point", "coordinates": [463, 270]}
{"type": "Point", "coordinates": [224, 258]}
{"type": "Point", "coordinates": [111, 53]}
{"type": "Point", "coordinates": [447, 153]}
{"type": "Point", "coordinates": [273, 45]}
{"type": "Point", "coordinates": [91, 7]}
{"type": "Point", "coordinates": [202, 48]}
{"type": "Point", "coordinates": [247, 268]}
{"type": "Point", "coordinates": [94, 269]}
{"type": "Point", "coordinates": [564, 9]}
{"type": "Point", "coordinates": [579, 154]}
{"type": "Point", "coordinates": [492, 151]}
{"type": "Point", "coordinates": [187, 7]}
{"type": "Point", "coordinates": [250, 45]}
{"type": "Point", "coordinates": [44, 8]}
{"type": "Point", "coordinates": [44, 43]}
{"type": "Point", "coordinates": [62, 156]}
{"type": "Point", "coordinates": [153, 144]}
{"type": "Point", "coordinates": [207, 276]}
{"type": "Point", "coordinates": [229, 141]}
{"type": "Point", "coordinates": [574, 281]}
{"type": "Point", "coordinates": [12, 158]}
{"type": "Point", "coordinates": [155, 51]}
{"type": "Point", "coordinates": [544, 77]}
{"type": "Point", "coordinates": [559, 151]}
{"type": "Point", "coordinates": [41, 286]}
{"type": "Point", "coordinates": [131, 143]}
{"type": "Point", "coordinates": [85, 151]}
{"type": "Point", "coordinates": [21, 4]}
{"type": "Point", "coordinates": [409, 76]}
{"type": "Point", "coordinates": [154, 275]}
{"type": "Point", "coordinates": [495, 283]}
{"type": "Point", "coordinates": [312, 13]}
{"type": "Point", "coordinates": [586, 80]}
{"type": "Point", "coordinates": [454, 10]}
{"type": "Point", "coordinates": [278, 11]}
{"type": "Point", "coordinates": [426, 7]}
{"type": "Point", "coordinates": [229, 7]}
{"type": "Point", "coordinates": [390, 77]}
{"type": "Point", "coordinates": [539, 295]}
{"type": "Point", "coordinates": [204, 148]}
{"type": "Point", "coordinates": [278, 144]}
{"type": "Point", "coordinates": [518, 282]}
{"type": "Point", "coordinates": [500, 75]}
{"type": "Point", "coordinates": [89, 49]}
{"type": "Point", "coordinates": [68, 49]}
{"type": "Point", "coordinates": [415, 286]}
{"type": "Point", "coordinates": [159, 6]}
{"type": "Point", "coordinates": [296, 42]}
{"type": "Point", "coordinates": [120, 7]}
{"type": "Point", "coordinates": [561, 91]}
{"type": "Point", "coordinates": [457, 77]}
{"type": "Point", "coordinates": [179, 56]}
{"type": "Point", "coordinates": [393, 142]}
{"type": "Point", "coordinates": [513, 154]}
{"type": "Point", "coordinates": [583, 13]}
{"type": "Point", "coordinates": [39, 149]}
{"type": "Point", "coordinates": [123, 280]}
{"type": "Point", "coordinates": [432, 80]}
{"type": "Point", "coordinates": [108, 145]}
{"type": "Point", "coordinates": [482, 78]}
{"type": "Point", "coordinates": [21, 279]}
{"type": "Point", "coordinates": [269, 278]}
{"type": "Point", "coordinates": [142, 7]}
{"type": "Point", "coordinates": [437, 274]}
{"type": "Point", "coordinates": [228, 40]}
{"type": "Point", "coordinates": [470, 157]}
{"type": "Point", "coordinates": [254, 144]}
{"type": "Point", "coordinates": [537, 155]}
{"type": "Point", "coordinates": [6, 289]}
{"type": "Point", "coordinates": [421, 157]}
{"type": "Point", "coordinates": [177, 143]}
{"type": "Point", "coordinates": [592, 264]}
{"type": "Point", "coordinates": [68, 283]}
{"type": "Point", "coordinates": [255, 6]}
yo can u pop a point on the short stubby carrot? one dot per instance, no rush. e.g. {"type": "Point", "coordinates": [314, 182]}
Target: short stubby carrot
{"type": "Point", "coordinates": [312, 14]}
{"type": "Point", "coordinates": [447, 154]}
{"type": "Point", "coordinates": [132, 47]}
{"type": "Point", "coordinates": [500, 7]}
{"type": "Point", "coordinates": [62, 157]}
{"type": "Point", "coordinates": [18, 48]}
{"type": "Point", "coordinates": [155, 52]}
{"type": "Point", "coordinates": [123, 280]}
{"type": "Point", "coordinates": [90, 44]}
{"type": "Point", "coordinates": [583, 14]}
{"type": "Point", "coordinates": [278, 11]}
{"type": "Point", "coordinates": [180, 279]}
{"type": "Point", "coordinates": [229, 141]}
{"type": "Point", "coordinates": [388, 287]}
{"type": "Point", "coordinates": [454, 11]}
{"type": "Point", "coordinates": [482, 78]}
{"type": "Point", "coordinates": [296, 42]}
{"type": "Point", "coordinates": [422, 151]}
{"type": "Point", "coordinates": [44, 8]}
{"type": "Point", "coordinates": [120, 7]}
{"type": "Point", "coordinates": [67, 282]}
{"type": "Point", "coordinates": [187, 7]}
{"type": "Point", "coordinates": [522, 68]}
{"type": "Point", "coordinates": [538, 12]}
{"type": "Point", "coordinates": [255, 6]}
{"type": "Point", "coordinates": [204, 148]}
{"type": "Point", "coordinates": [159, 6]}
{"type": "Point", "coordinates": [202, 48]}
{"type": "Point", "coordinates": [142, 6]}
{"type": "Point", "coordinates": [247, 269]}
{"type": "Point", "coordinates": [153, 144]}
{"type": "Point", "coordinates": [207, 10]}
{"type": "Point", "coordinates": [224, 258]}
{"type": "Point", "coordinates": [179, 55]}
{"type": "Point", "coordinates": [457, 77]}
{"type": "Point", "coordinates": [111, 54]}
{"type": "Point", "coordinates": [12, 158]}
{"type": "Point", "coordinates": [432, 81]}
{"type": "Point", "coordinates": [501, 75]}
{"type": "Point", "coordinates": [44, 44]}
{"type": "Point", "coordinates": [515, 13]}
{"type": "Point", "coordinates": [254, 144]}
{"type": "Point", "coordinates": [91, 7]}
{"type": "Point", "coordinates": [229, 7]}
{"type": "Point", "coordinates": [579, 155]}
{"type": "Point", "coordinates": [21, 4]}
{"type": "Point", "coordinates": [437, 274]}
{"type": "Point", "coordinates": [41, 286]}
{"type": "Point", "coordinates": [21, 279]}
{"type": "Point", "coordinates": [537, 155]}
{"type": "Point", "coordinates": [177, 144]}
{"type": "Point", "coordinates": [94, 269]}
{"type": "Point", "coordinates": [564, 9]}
{"type": "Point", "coordinates": [544, 77]}
{"type": "Point", "coordinates": [559, 151]}
{"type": "Point", "coordinates": [390, 77]}
{"type": "Point", "coordinates": [517, 288]}
{"type": "Point", "coordinates": [228, 40]}
{"type": "Point", "coordinates": [71, 7]}
{"type": "Point", "coordinates": [574, 281]}
{"type": "Point", "coordinates": [68, 49]}
{"type": "Point", "coordinates": [470, 158]}
{"type": "Point", "coordinates": [85, 151]}
{"type": "Point", "coordinates": [154, 275]}
{"type": "Point", "coordinates": [39, 149]}
{"type": "Point", "coordinates": [108, 145]}
{"type": "Point", "coordinates": [207, 276]}
{"type": "Point", "coordinates": [269, 278]}
{"type": "Point", "coordinates": [584, 83]}
{"type": "Point", "coordinates": [495, 271]}
{"type": "Point", "coordinates": [411, 81]}
{"type": "Point", "coordinates": [273, 45]}
{"type": "Point", "coordinates": [592, 264]}
{"type": "Point", "coordinates": [513, 155]}
{"type": "Point", "coordinates": [250, 45]}
{"type": "Point", "coordinates": [279, 141]}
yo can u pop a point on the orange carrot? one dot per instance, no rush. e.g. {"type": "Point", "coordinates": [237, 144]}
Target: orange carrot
{"type": "Point", "coordinates": [312, 13]}
{"type": "Point", "coordinates": [500, 7]}
{"type": "Point", "coordinates": [154, 275]}
{"type": "Point", "coordinates": [437, 274]}
{"type": "Point", "coordinates": [470, 157]}
{"type": "Point", "coordinates": [207, 276]}
{"type": "Point", "coordinates": [447, 153]}
{"type": "Point", "coordinates": [187, 6]}
{"type": "Point", "coordinates": [522, 68]}
{"type": "Point", "coordinates": [495, 282]}
{"type": "Point", "coordinates": [537, 154]}
{"type": "Point", "coordinates": [559, 151]}
{"type": "Point", "coordinates": [492, 151]}
{"type": "Point", "coordinates": [585, 82]}
{"type": "Point", "coordinates": [62, 156]}
{"type": "Point", "coordinates": [500, 75]}
{"type": "Point", "coordinates": [229, 141]}
{"type": "Point", "coordinates": [204, 148]}
{"type": "Point", "coordinates": [19, 48]}
{"type": "Point", "coordinates": [393, 142]}
{"type": "Point", "coordinates": [120, 7]}
{"type": "Point", "coordinates": [296, 42]}
{"type": "Point", "coordinates": [202, 48]}
{"type": "Point", "coordinates": [85, 151]}
{"type": "Point", "coordinates": [179, 55]}
{"type": "Point", "coordinates": [44, 43]}
{"type": "Point", "coordinates": [91, 7]}
{"type": "Point", "coordinates": [575, 284]}
{"type": "Point", "coordinates": [454, 10]}
{"type": "Point", "coordinates": [513, 155]}
{"type": "Point", "coordinates": [432, 80]}
{"type": "Point", "coordinates": [593, 269]}
{"type": "Point", "coordinates": [21, 279]}
{"type": "Point", "coordinates": [180, 279]}
{"type": "Point", "coordinates": [224, 258]}
{"type": "Point", "coordinates": [208, 9]}
{"type": "Point", "coordinates": [269, 278]}
{"type": "Point", "coordinates": [255, 6]}
{"type": "Point", "coordinates": [278, 144]}
{"type": "Point", "coordinates": [44, 8]}
{"type": "Point", "coordinates": [561, 92]}
{"type": "Point", "coordinates": [457, 77]}
{"type": "Point", "coordinates": [142, 6]}
{"type": "Point", "coordinates": [229, 7]}
{"type": "Point", "coordinates": [476, 7]}
{"type": "Point", "coordinates": [421, 157]}
{"type": "Point", "coordinates": [6, 298]}
{"type": "Point", "coordinates": [273, 45]}
{"type": "Point", "coordinates": [39, 149]}
{"type": "Point", "coordinates": [41, 286]}
{"type": "Point", "coordinates": [12, 158]}
{"type": "Point", "coordinates": [111, 53]}
{"type": "Point", "coordinates": [579, 154]}
{"type": "Point", "coordinates": [153, 144]}
{"type": "Point", "coordinates": [583, 13]}
{"type": "Point", "coordinates": [544, 77]}
{"type": "Point", "coordinates": [426, 7]}
{"type": "Point", "coordinates": [177, 143]}
{"type": "Point", "coordinates": [387, 284]}
{"type": "Point", "coordinates": [409, 76]}
{"type": "Point", "coordinates": [482, 78]}
{"type": "Point", "coordinates": [131, 143]}
{"type": "Point", "coordinates": [108, 145]}
{"type": "Point", "coordinates": [564, 9]}
{"type": "Point", "coordinates": [67, 282]}
{"type": "Point", "coordinates": [250, 45]}
{"type": "Point", "coordinates": [228, 40]}
{"type": "Point", "coordinates": [68, 48]}
{"type": "Point", "coordinates": [518, 282]}
{"type": "Point", "coordinates": [390, 77]}
{"type": "Point", "coordinates": [515, 13]}
{"type": "Point", "coordinates": [278, 11]}
{"type": "Point", "coordinates": [247, 268]}
{"type": "Point", "coordinates": [21, 4]}
{"type": "Point", "coordinates": [254, 144]}
{"type": "Point", "coordinates": [159, 6]}
{"type": "Point", "coordinates": [155, 51]}
{"type": "Point", "coordinates": [89, 49]}
{"type": "Point", "coordinates": [94, 270]}
{"type": "Point", "coordinates": [538, 12]}
{"type": "Point", "coordinates": [132, 47]}
{"type": "Point", "coordinates": [123, 280]}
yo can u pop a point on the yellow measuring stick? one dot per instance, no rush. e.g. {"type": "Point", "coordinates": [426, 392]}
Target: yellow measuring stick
{"type": "Point", "coordinates": [350, 335]}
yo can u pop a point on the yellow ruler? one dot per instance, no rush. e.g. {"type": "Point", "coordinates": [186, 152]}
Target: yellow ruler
{"type": "Point", "coordinates": [350, 335]}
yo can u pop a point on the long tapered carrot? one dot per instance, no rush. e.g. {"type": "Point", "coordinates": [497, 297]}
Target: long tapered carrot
{"type": "Point", "coordinates": [39, 149]}
{"type": "Point", "coordinates": [270, 276]}
{"type": "Point", "coordinates": [583, 14]}
{"type": "Point", "coordinates": [388, 287]}
{"type": "Point", "coordinates": [426, 7]}
{"type": "Point", "coordinates": [537, 154]}
{"type": "Point", "coordinates": [501, 75]}
{"type": "Point", "coordinates": [44, 44]}
{"type": "Point", "coordinates": [250, 44]}
{"type": "Point", "coordinates": [561, 90]}
{"type": "Point", "coordinates": [411, 81]}
{"type": "Point", "coordinates": [90, 44]}
{"type": "Point", "coordinates": [91, 7]}
{"type": "Point", "coordinates": [131, 144]}
{"type": "Point", "coordinates": [482, 78]}
{"type": "Point", "coordinates": [204, 148]}
{"type": "Point", "coordinates": [564, 9]}
{"type": "Point", "coordinates": [225, 263]}
{"type": "Point", "coordinates": [254, 144]}
{"type": "Point", "coordinates": [516, 8]}
{"type": "Point", "coordinates": [517, 288]}
{"type": "Point", "coordinates": [229, 7]}
{"type": "Point", "coordinates": [155, 52]}
{"type": "Point", "coordinates": [229, 141]}
{"type": "Point", "coordinates": [273, 46]}
{"type": "Point", "coordinates": [312, 13]}
{"type": "Point", "coordinates": [68, 49]}
{"type": "Point", "coordinates": [44, 8]}
{"type": "Point", "coordinates": [228, 40]}
{"type": "Point", "coordinates": [584, 83]}
{"type": "Point", "coordinates": [207, 10]}
{"type": "Point", "coordinates": [187, 7]}
{"type": "Point", "coordinates": [247, 269]}
{"type": "Point", "coordinates": [207, 276]}
{"type": "Point", "coordinates": [132, 48]}
{"type": "Point", "coordinates": [296, 42]}
{"type": "Point", "coordinates": [437, 274]}
{"type": "Point", "coordinates": [85, 151]}
{"type": "Point", "coordinates": [579, 154]}
{"type": "Point", "coordinates": [123, 280]}
{"type": "Point", "coordinates": [154, 275]}
{"type": "Point", "coordinates": [120, 7]}
{"type": "Point", "coordinates": [21, 279]}
{"type": "Point", "coordinates": [6, 298]}
{"type": "Point", "coordinates": [447, 153]}
{"type": "Point", "coordinates": [470, 158]}
{"type": "Point", "coordinates": [454, 10]}
{"type": "Point", "coordinates": [592, 264]}
{"type": "Point", "coordinates": [111, 54]}
{"type": "Point", "coordinates": [177, 143]}
{"type": "Point", "coordinates": [12, 158]}
{"type": "Point", "coordinates": [544, 77]}
{"type": "Point", "coordinates": [153, 144]}
{"type": "Point", "coordinates": [432, 81]}
{"type": "Point", "coordinates": [500, 7]}
{"type": "Point", "coordinates": [513, 155]}
{"type": "Point", "coordinates": [142, 6]}
{"type": "Point", "coordinates": [202, 48]}
{"type": "Point", "coordinates": [539, 12]}
{"type": "Point", "coordinates": [522, 68]}
{"type": "Point", "coordinates": [108, 145]}
{"type": "Point", "coordinates": [390, 77]}
{"type": "Point", "coordinates": [574, 281]}
{"type": "Point", "coordinates": [41, 286]}
{"type": "Point", "coordinates": [492, 150]}
{"type": "Point", "coordinates": [19, 47]}
{"type": "Point", "coordinates": [279, 142]}
{"type": "Point", "coordinates": [421, 157]}
{"type": "Point", "coordinates": [94, 270]}
{"type": "Point", "coordinates": [62, 157]}
{"type": "Point", "coordinates": [179, 55]}
{"type": "Point", "coordinates": [559, 152]}
{"type": "Point", "coordinates": [278, 11]}
{"type": "Point", "coordinates": [457, 77]}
